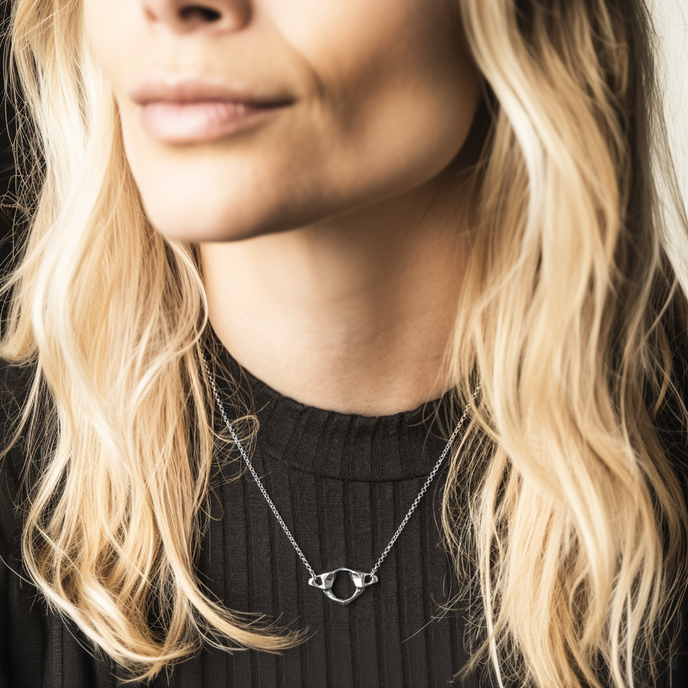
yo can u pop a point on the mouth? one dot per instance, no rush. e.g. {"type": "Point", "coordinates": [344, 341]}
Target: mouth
{"type": "Point", "coordinates": [195, 110]}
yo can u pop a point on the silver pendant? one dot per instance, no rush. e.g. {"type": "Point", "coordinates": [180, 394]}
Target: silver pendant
{"type": "Point", "coordinates": [325, 581]}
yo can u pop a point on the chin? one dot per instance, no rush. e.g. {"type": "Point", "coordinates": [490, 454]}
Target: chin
{"type": "Point", "coordinates": [203, 210]}
{"type": "Point", "coordinates": [198, 210]}
{"type": "Point", "coordinates": [202, 219]}
{"type": "Point", "coordinates": [192, 228]}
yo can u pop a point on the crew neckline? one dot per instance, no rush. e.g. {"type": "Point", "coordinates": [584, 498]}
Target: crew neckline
{"type": "Point", "coordinates": [343, 446]}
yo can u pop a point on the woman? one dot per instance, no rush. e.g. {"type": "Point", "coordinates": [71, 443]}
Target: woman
{"type": "Point", "coordinates": [270, 231]}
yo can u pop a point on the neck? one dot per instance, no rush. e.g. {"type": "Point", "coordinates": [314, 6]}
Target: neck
{"type": "Point", "coordinates": [352, 314]}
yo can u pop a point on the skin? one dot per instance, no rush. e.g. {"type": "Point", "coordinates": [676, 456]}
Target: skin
{"type": "Point", "coordinates": [330, 236]}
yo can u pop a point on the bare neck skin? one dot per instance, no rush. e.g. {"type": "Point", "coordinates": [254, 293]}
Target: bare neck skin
{"type": "Point", "coordinates": [353, 314]}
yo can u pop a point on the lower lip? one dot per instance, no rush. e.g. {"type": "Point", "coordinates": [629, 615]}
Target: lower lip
{"type": "Point", "coordinates": [201, 121]}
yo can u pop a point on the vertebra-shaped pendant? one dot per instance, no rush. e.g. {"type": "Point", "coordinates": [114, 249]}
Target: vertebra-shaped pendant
{"type": "Point", "coordinates": [325, 581]}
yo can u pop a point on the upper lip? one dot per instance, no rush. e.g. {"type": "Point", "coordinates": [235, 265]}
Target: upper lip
{"type": "Point", "coordinates": [171, 88]}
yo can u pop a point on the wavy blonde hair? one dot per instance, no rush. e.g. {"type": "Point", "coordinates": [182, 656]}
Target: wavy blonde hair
{"type": "Point", "coordinates": [575, 291]}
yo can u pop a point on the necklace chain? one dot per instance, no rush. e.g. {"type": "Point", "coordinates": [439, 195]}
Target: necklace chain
{"type": "Point", "coordinates": [370, 577]}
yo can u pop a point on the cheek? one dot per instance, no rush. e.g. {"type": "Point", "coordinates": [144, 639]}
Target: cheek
{"type": "Point", "coordinates": [399, 91]}
{"type": "Point", "coordinates": [336, 34]}
{"type": "Point", "coordinates": [112, 35]}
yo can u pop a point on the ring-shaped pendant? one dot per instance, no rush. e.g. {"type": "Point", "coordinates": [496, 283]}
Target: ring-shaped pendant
{"type": "Point", "coordinates": [325, 581]}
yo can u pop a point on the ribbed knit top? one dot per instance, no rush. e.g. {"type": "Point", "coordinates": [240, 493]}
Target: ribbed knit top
{"type": "Point", "coordinates": [342, 483]}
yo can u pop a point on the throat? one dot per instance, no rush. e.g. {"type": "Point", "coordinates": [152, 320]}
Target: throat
{"type": "Point", "coordinates": [337, 319]}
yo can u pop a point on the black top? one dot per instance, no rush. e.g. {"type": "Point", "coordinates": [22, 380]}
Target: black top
{"type": "Point", "coordinates": [342, 483]}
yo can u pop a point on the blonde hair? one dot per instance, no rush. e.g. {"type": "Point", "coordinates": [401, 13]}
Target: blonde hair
{"type": "Point", "coordinates": [575, 279]}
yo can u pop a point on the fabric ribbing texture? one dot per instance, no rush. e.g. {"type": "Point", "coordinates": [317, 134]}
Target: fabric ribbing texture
{"type": "Point", "coordinates": [342, 483]}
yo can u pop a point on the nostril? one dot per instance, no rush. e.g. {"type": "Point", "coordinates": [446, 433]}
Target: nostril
{"type": "Point", "coordinates": [199, 12]}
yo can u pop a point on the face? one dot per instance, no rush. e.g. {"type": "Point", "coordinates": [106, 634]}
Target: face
{"type": "Point", "coordinates": [244, 117]}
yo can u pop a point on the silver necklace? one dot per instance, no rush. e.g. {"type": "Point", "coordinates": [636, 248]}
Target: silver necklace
{"type": "Point", "coordinates": [325, 581]}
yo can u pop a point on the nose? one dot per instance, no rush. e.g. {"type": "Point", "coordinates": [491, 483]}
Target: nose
{"type": "Point", "coordinates": [186, 16]}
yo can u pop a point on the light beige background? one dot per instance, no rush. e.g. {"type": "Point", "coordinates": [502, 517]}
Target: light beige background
{"type": "Point", "coordinates": [671, 19]}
